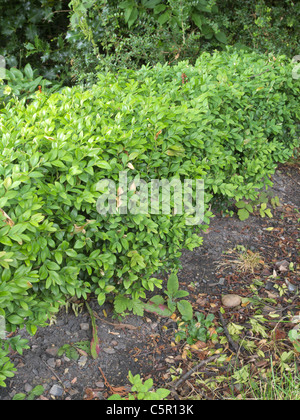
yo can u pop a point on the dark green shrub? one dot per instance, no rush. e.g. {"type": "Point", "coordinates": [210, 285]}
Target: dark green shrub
{"type": "Point", "coordinates": [67, 41]}
{"type": "Point", "coordinates": [109, 34]}
{"type": "Point", "coordinates": [33, 31]}
{"type": "Point", "coordinates": [268, 26]}
{"type": "Point", "coordinates": [128, 34]}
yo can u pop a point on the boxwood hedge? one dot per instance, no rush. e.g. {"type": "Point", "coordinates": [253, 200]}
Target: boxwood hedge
{"type": "Point", "coordinates": [228, 120]}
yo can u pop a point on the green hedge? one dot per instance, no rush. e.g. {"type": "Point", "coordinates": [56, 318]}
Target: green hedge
{"type": "Point", "coordinates": [228, 120]}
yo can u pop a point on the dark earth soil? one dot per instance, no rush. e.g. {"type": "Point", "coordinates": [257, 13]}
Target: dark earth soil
{"type": "Point", "coordinates": [146, 345]}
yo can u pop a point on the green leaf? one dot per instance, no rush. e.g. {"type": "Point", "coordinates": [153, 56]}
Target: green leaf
{"type": "Point", "coordinates": [180, 294]}
{"type": "Point", "coordinates": [186, 309]}
{"type": "Point", "coordinates": [150, 4]}
{"type": "Point", "coordinates": [19, 397]}
{"type": "Point", "coordinates": [28, 71]}
{"type": "Point", "coordinates": [164, 17]}
{"type": "Point", "coordinates": [243, 214]}
{"type": "Point", "coordinates": [240, 204]}
{"type": "Point", "coordinates": [128, 13]}
{"type": "Point", "coordinates": [133, 17]}
{"type": "Point", "coordinates": [196, 17]}
{"type": "Point", "coordinates": [173, 284]}
{"type": "Point", "coordinates": [95, 349]}
{"type": "Point", "coordinates": [221, 36]}
{"type": "Point", "coordinates": [269, 213]}
{"type": "Point", "coordinates": [79, 244]}
{"type": "Point", "coordinates": [15, 319]}
{"type": "Point", "coordinates": [121, 304]}
{"type": "Point", "coordinates": [58, 257]}
{"type": "Point", "coordinates": [34, 159]}
{"type": "Point", "coordinates": [101, 299]}
{"type": "Point", "coordinates": [104, 165]}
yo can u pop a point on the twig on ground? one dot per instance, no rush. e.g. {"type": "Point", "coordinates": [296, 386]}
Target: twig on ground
{"type": "Point", "coordinates": [193, 370]}
{"type": "Point", "coordinates": [230, 340]}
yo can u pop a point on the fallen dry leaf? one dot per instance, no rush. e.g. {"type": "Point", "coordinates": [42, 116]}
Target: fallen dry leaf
{"type": "Point", "coordinates": [279, 334]}
{"type": "Point", "coordinates": [89, 394]}
{"type": "Point", "coordinates": [200, 344]}
{"type": "Point", "coordinates": [201, 301]}
{"type": "Point", "coordinates": [8, 220]}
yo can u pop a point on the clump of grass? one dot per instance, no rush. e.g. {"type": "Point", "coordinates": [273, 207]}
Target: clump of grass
{"type": "Point", "coordinates": [283, 386]}
{"type": "Point", "coordinates": [245, 260]}
{"type": "Point", "coordinates": [249, 261]}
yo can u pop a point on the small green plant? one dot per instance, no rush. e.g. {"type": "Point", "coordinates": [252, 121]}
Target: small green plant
{"type": "Point", "coordinates": [83, 348]}
{"type": "Point", "coordinates": [142, 390]}
{"type": "Point", "coordinates": [163, 307]}
{"type": "Point", "coordinates": [260, 205]}
{"type": "Point", "coordinates": [74, 350]}
{"type": "Point", "coordinates": [7, 369]}
{"type": "Point", "coordinates": [76, 307]}
{"type": "Point", "coordinates": [197, 329]}
{"type": "Point", "coordinates": [35, 392]}
{"type": "Point", "coordinates": [294, 336]}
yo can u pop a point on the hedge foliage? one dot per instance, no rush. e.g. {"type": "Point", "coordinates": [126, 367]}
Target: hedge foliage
{"type": "Point", "coordinates": [226, 120]}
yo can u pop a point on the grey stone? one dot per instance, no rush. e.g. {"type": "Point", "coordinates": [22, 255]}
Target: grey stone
{"type": "Point", "coordinates": [109, 350]}
{"type": "Point", "coordinates": [28, 388]}
{"type": "Point", "coordinates": [52, 351]}
{"type": "Point", "coordinates": [51, 363]}
{"type": "Point", "coordinates": [56, 390]}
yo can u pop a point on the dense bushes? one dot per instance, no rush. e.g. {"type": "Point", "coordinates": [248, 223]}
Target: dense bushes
{"type": "Point", "coordinates": [131, 33]}
{"type": "Point", "coordinates": [226, 120]}
{"type": "Point", "coordinates": [265, 25]}
{"type": "Point", "coordinates": [67, 41]}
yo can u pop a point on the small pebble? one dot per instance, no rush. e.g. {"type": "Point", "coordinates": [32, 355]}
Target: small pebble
{"type": "Point", "coordinates": [56, 391]}
{"type": "Point", "coordinates": [52, 351]}
{"type": "Point", "coordinates": [51, 363]}
{"type": "Point", "coordinates": [231, 301]}
{"type": "Point", "coordinates": [28, 388]}
{"type": "Point", "coordinates": [99, 384]}
{"type": "Point", "coordinates": [109, 350]}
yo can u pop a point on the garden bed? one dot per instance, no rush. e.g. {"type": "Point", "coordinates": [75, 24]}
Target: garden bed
{"type": "Point", "coordinates": [145, 345]}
